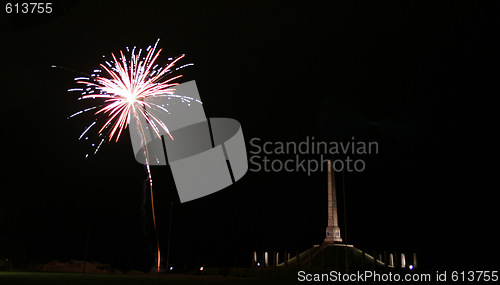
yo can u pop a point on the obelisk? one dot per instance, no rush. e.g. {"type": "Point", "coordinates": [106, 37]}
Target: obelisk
{"type": "Point", "coordinates": [332, 230]}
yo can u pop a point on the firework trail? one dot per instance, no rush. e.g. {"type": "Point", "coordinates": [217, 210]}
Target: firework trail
{"type": "Point", "coordinates": [122, 94]}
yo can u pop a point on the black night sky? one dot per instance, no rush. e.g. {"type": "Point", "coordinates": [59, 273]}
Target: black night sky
{"type": "Point", "coordinates": [419, 78]}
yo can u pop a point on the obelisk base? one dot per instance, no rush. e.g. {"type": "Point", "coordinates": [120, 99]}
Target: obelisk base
{"type": "Point", "coordinates": [332, 235]}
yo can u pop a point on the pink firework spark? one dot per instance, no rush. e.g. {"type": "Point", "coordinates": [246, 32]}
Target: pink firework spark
{"type": "Point", "coordinates": [124, 89]}
{"type": "Point", "coordinates": [127, 88]}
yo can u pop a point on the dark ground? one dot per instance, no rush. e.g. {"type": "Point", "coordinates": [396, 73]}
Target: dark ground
{"type": "Point", "coordinates": [82, 279]}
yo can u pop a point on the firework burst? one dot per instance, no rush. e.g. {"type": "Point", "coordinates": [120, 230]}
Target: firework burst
{"type": "Point", "coordinates": [123, 92]}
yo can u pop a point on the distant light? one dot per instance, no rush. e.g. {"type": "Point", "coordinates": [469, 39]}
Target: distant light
{"type": "Point", "coordinates": [411, 267]}
{"type": "Point", "coordinates": [201, 268]}
{"type": "Point", "coordinates": [171, 268]}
